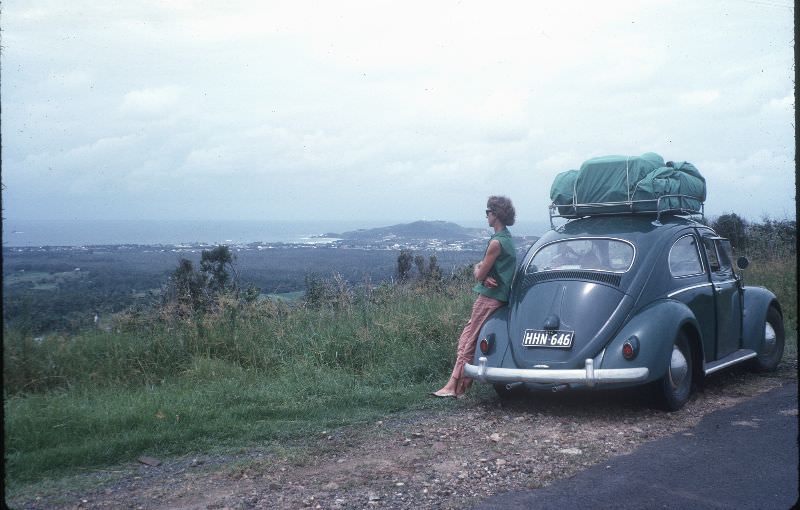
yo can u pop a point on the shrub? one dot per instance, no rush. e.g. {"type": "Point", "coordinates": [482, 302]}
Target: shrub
{"type": "Point", "coordinates": [770, 239]}
{"type": "Point", "coordinates": [364, 331]}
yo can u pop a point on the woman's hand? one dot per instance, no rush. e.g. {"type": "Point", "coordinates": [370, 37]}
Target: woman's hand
{"type": "Point", "coordinates": [490, 282]}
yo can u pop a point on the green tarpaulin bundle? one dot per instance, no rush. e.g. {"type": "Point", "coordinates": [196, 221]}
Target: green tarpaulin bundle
{"type": "Point", "coordinates": [616, 184]}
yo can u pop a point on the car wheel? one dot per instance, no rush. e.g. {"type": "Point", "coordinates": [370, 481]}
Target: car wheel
{"type": "Point", "coordinates": [672, 390]}
{"type": "Point", "coordinates": [771, 349]}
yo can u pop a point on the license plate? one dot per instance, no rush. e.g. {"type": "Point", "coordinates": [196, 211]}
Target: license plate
{"type": "Point", "coordinates": [542, 338]}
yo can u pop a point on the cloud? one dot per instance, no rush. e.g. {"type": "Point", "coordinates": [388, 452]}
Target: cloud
{"type": "Point", "coordinates": [699, 97]}
{"type": "Point", "coordinates": [71, 78]}
{"type": "Point", "coordinates": [751, 186]}
{"type": "Point", "coordinates": [151, 102]}
{"type": "Point", "coordinates": [35, 14]}
{"type": "Point", "coordinates": [393, 107]}
{"type": "Point", "coordinates": [559, 162]}
{"type": "Point", "coordinates": [783, 105]}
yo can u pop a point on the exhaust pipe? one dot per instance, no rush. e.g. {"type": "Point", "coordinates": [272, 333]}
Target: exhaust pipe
{"type": "Point", "coordinates": [511, 386]}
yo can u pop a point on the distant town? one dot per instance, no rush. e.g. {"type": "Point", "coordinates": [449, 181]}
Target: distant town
{"type": "Point", "coordinates": [66, 288]}
{"type": "Point", "coordinates": [427, 236]}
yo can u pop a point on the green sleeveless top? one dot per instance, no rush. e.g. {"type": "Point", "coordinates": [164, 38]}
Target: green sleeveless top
{"type": "Point", "coordinates": [503, 268]}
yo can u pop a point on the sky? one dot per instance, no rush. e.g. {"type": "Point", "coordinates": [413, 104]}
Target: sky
{"type": "Point", "coordinates": [406, 110]}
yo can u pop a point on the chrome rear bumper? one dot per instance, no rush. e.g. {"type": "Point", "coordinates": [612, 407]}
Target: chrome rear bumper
{"type": "Point", "coordinates": [588, 375]}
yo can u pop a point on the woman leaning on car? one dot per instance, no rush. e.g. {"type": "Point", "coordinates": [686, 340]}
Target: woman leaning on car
{"type": "Point", "coordinates": [494, 274]}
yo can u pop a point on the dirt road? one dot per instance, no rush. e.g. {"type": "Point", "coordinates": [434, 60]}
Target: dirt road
{"type": "Point", "coordinates": [445, 459]}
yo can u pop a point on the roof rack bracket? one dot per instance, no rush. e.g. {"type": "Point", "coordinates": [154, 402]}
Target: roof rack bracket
{"type": "Point", "coordinates": [675, 204]}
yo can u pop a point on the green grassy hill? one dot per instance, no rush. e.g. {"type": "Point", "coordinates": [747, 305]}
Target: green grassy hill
{"type": "Point", "coordinates": [163, 383]}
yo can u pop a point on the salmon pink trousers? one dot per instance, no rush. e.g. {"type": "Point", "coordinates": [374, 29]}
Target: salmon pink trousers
{"type": "Point", "coordinates": [481, 310]}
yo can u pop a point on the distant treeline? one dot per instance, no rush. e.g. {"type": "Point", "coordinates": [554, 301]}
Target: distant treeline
{"type": "Point", "coordinates": [63, 290]}
{"type": "Point", "coordinates": [68, 290]}
{"type": "Point", "coordinates": [767, 239]}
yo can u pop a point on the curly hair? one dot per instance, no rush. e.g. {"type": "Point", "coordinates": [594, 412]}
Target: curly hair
{"type": "Point", "coordinates": [503, 209]}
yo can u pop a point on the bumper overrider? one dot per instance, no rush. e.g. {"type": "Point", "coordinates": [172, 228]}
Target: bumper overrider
{"type": "Point", "coordinates": [588, 376]}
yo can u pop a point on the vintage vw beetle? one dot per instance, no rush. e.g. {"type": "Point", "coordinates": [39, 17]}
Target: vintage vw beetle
{"type": "Point", "coordinates": [628, 299]}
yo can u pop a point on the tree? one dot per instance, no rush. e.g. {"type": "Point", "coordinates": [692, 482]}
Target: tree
{"type": "Point", "coordinates": [733, 228]}
{"type": "Point", "coordinates": [404, 265]}
{"type": "Point", "coordinates": [215, 264]}
{"type": "Point", "coordinates": [419, 261]}
{"type": "Point", "coordinates": [187, 286]}
{"type": "Point", "coordinates": [772, 238]}
{"type": "Point", "coordinates": [196, 289]}
{"type": "Point", "coordinates": [434, 271]}
{"type": "Point", "coordinates": [318, 290]}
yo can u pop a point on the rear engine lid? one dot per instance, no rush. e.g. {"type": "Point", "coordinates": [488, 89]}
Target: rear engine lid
{"type": "Point", "coordinates": [561, 322]}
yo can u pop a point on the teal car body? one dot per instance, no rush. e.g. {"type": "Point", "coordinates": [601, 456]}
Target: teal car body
{"type": "Point", "coordinates": [623, 300]}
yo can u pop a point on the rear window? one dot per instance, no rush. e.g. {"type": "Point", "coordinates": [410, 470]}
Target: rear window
{"type": "Point", "coordinates": [583, 254]}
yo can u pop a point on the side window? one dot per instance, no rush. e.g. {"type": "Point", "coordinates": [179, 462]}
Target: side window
{"type": "Point", "coordinates": [711, 254]}
{"type": "Point", "coordinates": [684, 257]}
{"type": "Point", "coordinates": [725, 255]}
{"type": "Point", "coordinates": [719, 255]}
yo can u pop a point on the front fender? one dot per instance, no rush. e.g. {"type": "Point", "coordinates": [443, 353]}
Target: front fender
{"type": "Point", "coordinates": [656, 327]}
{"type": "Point", "coordinates": [757, 301]}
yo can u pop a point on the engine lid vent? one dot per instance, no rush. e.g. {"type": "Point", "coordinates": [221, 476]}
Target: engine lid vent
{"type": "Point", "coordinates": [607, 278]}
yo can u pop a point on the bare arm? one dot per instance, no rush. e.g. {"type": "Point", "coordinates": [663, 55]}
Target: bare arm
{"type": "Point", "coordinates": [484, 266]}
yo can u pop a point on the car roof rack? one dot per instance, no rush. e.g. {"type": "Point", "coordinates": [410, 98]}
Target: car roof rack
{"type": "Point", "coordinates": [650, 207]}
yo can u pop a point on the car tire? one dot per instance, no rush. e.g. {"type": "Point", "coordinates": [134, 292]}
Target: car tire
{"type": "Point", "coordinates": [672, 391]}
{"type": "Point", "coordinates": [770, 351]}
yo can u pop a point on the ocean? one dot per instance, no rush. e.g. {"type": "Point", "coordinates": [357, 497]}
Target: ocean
{"type": "Point", "coordinates": [171, 232]}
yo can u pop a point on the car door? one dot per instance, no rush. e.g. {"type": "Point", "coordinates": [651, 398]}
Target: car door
{"type": "Point", "coordinates": [690, 285]}
{"type": "Point", "coordinates": [727, 296]}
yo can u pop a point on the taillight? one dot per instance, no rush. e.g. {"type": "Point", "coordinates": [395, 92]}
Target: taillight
{"type": "Point", "coordinates": [486, 344]}
{"type": "Point", "coordinates": [630, 348]}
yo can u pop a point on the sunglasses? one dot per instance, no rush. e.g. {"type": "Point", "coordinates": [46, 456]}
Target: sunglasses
{"type": "Point", "coordinates": [489, 211]}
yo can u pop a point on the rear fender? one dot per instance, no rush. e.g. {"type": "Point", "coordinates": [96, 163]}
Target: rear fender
{"type": "Point", "coordinates": [757, 301]}
{"type": "Point", "coordinates": [495, 328]}
{"type": "Point", "coordinates": [656, 328]}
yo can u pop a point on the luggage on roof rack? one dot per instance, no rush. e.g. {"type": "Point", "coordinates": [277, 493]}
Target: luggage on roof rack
{"type": "Point", "coordinates": [628, 184]}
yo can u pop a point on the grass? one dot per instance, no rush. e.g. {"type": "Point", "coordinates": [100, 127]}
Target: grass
{"type": "Point", "coordinates": [265, 374]}
{"type": "Point", "coordinates": [41, 278]}
{"type": "Point", "coordinates": [261, 375]}
{"type": "Point", "coordinates": [67, 430]}
{"type": "Point", "coordinates": [286, 296]}
{"type": "Point", "coordinates": [779, 276]}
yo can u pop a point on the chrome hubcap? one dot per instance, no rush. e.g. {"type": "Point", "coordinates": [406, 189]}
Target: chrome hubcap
{"type": "Point", "coordinates": [678, 368]}
{"type": "Point", "coordinates": [769, 337]}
